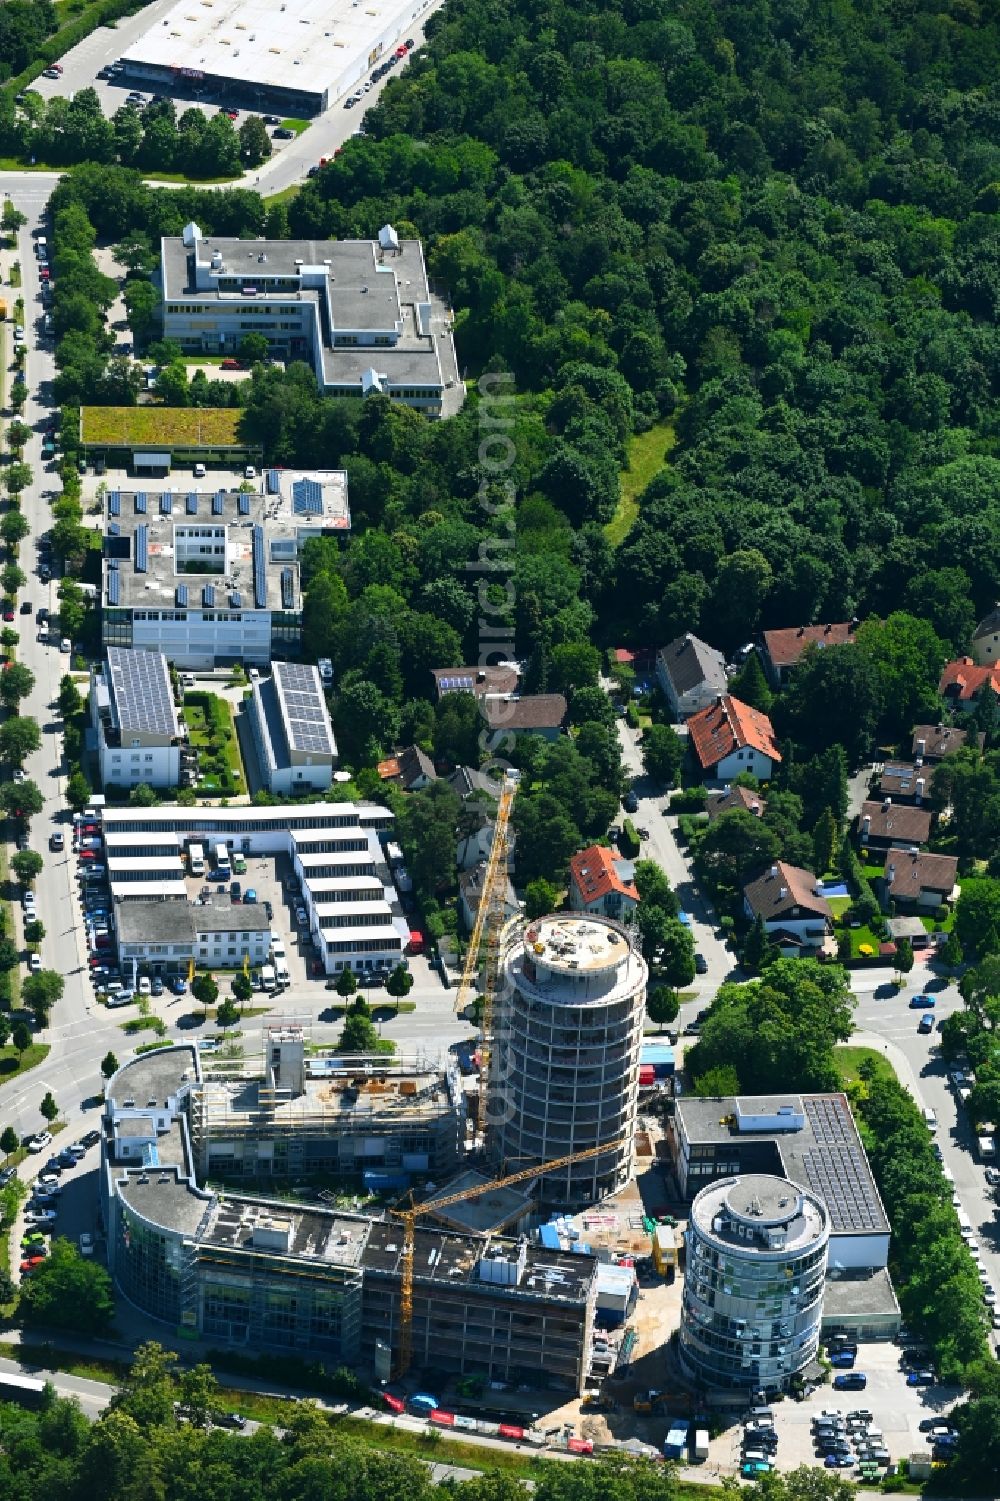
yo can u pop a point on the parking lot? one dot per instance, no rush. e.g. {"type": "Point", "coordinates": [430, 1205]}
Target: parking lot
{"type": "Point", "coordinates": [65, 1185]}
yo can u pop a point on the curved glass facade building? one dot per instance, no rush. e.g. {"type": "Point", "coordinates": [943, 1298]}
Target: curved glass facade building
{"type": "Point", "coordinates": [753, 1290]}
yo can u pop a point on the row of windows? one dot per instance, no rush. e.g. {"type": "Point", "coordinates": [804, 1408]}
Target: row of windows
{"type": "Point", "coordinates": [365, 946]}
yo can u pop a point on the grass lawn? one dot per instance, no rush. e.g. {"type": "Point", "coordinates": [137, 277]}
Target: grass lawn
{"type": "Point", "coordinates": [8, 913]}
{"type": "Point", "coordinates": [11, 1064]}
{"type": "Point", "coordinates": [205, 737]}
{"type": "Point", "coordinates": [872, 872]}
{"type": "Point", "coordinates": [647, 455]}
{"type": "Point", "coordinates": [839, 904]}
{"type": "Point", "coordinates": [292, 123]}
{"type": "Point", "coordinates": [939, 925]}
{"type": "Point", "coordinates": [863, 935]}
{"type": "Point", "coordinates": [849, 1061]}
{"type": "Point", "coordinates": [285, 196]}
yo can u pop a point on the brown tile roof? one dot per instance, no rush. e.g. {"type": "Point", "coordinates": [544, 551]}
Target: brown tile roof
{"type": "Point", "coordinates": [962, 679]}
{"type": "Point", "coordinates": [889, 820]}
{"type": "Point", "coordinates": [934, 741]}
{"type": "Point", "coordinates": [475, 680]}
{"type": "Point", "coordinates": [907, 875]}
{"type": "Point", "coordinates": [536, 711]}
{"type": "Point", "coordinates": [734, 797]}
{"type": "Point", "coordinates": [781, 888]}
{"type": "Point", "coordinates": [785, 648]}
{"type": "Point", "coordinates": [414, 764]}
{"type": "Point", "coordinates": [728, 725]}
{"type": "Point", "coordinates": [594, 872]}
{"type": "Point", "coordinates": [900, 778]}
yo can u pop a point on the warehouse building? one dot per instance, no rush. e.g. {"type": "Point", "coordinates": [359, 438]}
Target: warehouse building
{"type": "Point", "coordinates": [292, 733]}
{"type": "Point", "coordinates": [295, 59]}
{"type": "Point", "coordinates": [354, 915]}
{"type": "Point", "coordinates": [259, 1274]}
{"type": "Point", "coordinates": [360, 312]}
{"type": "Point", "coordinates": [138, 738]}
{"type": "Point", "coordinates": [210, 580]}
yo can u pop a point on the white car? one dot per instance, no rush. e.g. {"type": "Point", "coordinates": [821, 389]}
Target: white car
{"type": "Point", "coordinates": [145, 985]}
{"type": "Point", "coordinates": [121, 998]}
{"type": "Point", "coordinates": [35, 963]}
{"type": "Point", "coordinates": [40, 1142]}
{"type": "Point", "coordinates": [66, 645]}
{"type": "Point", "coordinates": [40, 1217]}
{"type": "Point", "coordinates": [86, 1244]}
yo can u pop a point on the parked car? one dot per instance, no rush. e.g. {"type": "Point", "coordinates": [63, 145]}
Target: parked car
{"type": "Point", "coordinates": [926, 1022]}
{"type": "Point", "coordinates": [700, 964]}
{"type": "Point", "coordinates": [86, 1244]}
{"type": "Point", "coordinates": [90, 1139]}
{"type": "Point", "coordinates": [923, 1377]}
{"type": "Point", "coordinates": [850, 1381]}
{"type": "Point", "coordinates": [843, 1360]}
{"type": "Point", "coordinates": [176, 985]}
{"type": "Point", "coordinates": [39, 1142]}
{"type": "Point", "coordinates": [40, 1217]}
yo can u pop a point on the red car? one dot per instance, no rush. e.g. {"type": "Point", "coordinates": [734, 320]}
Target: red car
{"type": "Point", "coordinates": [45, 273]}
{"type": "Point", "coordinates": [88, 828]}
{"type": "Point", "coordinates": [232, 364]}
{"type": "Point", "coordinates": [88, 854]}
{"type": "Point", "coordinates": [8, 613]}
{"type": "Point", "coordinates": [30, 1263]}
{"type": "Point", "coordinates": [400, 51]}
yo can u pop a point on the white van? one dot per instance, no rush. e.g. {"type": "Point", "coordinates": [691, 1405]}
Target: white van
{"type": "Point", "coordinates": [282, 971]}
{"type": "Point", "coordinates": [196, 860]}
{"type": "Point", "coordinates": [268, 979]}
{"type": "Point", "coordinates": [930, 1119]}
{"type": "Point", "coordinates": [277, 945]}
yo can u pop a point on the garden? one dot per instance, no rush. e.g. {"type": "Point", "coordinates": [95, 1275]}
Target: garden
{"type": "Point", "coordinates": [212, 734]}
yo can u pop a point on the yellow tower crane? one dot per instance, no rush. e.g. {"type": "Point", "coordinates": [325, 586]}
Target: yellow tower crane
{"type": "Point", "coordinates": [413, 1212]}
{"type": "Point", "coordinates": [489, 924]}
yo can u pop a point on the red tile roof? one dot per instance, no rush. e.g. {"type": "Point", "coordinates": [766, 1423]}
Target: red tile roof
{"type": "Point", "coordinates": [785, 648]}
{"type": "Point", "coordinates": [728, 725]}
{"type": "Point", "coordinates": [594, 873]}
{"type": "Point", "coordinates": [963, 680]}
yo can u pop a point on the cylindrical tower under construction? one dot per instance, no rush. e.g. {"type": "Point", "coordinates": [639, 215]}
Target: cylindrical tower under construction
{"type": "Point", "coordinates": [564, 1068]}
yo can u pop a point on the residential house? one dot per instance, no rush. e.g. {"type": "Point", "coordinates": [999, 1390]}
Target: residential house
{"type": "Point", "coordinates": [905, 782]}
{"type": "Point", "coordinates": [534, 714]}
{"type": "Point", "coordinates": [475, 680]}
{"type": "Point", "coordinates": [475, 840]}
{"type": "Point", "coordinates": [732, 798]}
{"type": "Point", "coordinates": [962, 681]}
{"type": "Point", "coordinates": [729, 737]}
{"type": "Point", "coordinates": [601, 881]}
{"type": "Point", "coordinates": [691, 674]}
{"type": "Point", "coordinates": [917, 879]}
{"type": "Point", "coordinates": [412, 769]}
{"type": "Point", "coordinates": [892, 826]}
{"type": "Point", "coordinates": [468, 781]}
{"type": "Point", "coordinates": [796, 915]}
{"type": "Point", "coordinates": [470, 891]}
{"type": "Point", "coordinates": [784, 650]}
{"type": "Point", "coordinates": [932, 742]}
{"type": "Point", "coordinates": [986, 639]}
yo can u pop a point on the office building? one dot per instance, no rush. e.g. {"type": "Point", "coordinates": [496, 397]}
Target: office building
{"type": "Point", "coordinates": [166, 935]}
{"type": "Point", "coordinates": [360, 312]}
{"type": "Point", "coordinates": [259, 1274]}
{"type": "Point", "coordinates": [292, 733]}
{"type": "Point", "coordinates": [564, 1072]}
{"type": "Point", "coordinates": [136, 732]}
{"type": "Point", "coordinates": [211, 579]}
{"type": "Point", "coordinates": [754, 1282]}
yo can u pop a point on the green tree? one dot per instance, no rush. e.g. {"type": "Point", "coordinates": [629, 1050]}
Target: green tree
{"type": "Point", "coordinates": [19, 739]}
{"type": "Point", "coordinates": [109, 1065]}
{"type": "Point", "coordinates": [14, 525]}
{"type": "Point", "coordinates": [148, 1388]}
{"type": "Point", "coordinates": [205, 990]}
{"type": "Point", "coordinates": [737, 846]}
{"type": "Point", "coordinates": [34, 931]}
{"type": "Point", "coordinates": [717, 1083]}
{"type": "Point", "coordinates": [26, 865]}
{"type": "Point", "coordinates": [42, 990]}
{"type": "Point", "coordinates": [903, 960]}
{"type": "Point", "coordinates": [662, 1005]}
{"type": "Point", "coordinates": [16, 682]}
{"type": "Point", "coordinates": [21, 800]}
{"type": "Point", "coordinates": [78, 792]}
{"type": "Point", "coordinates": [254, 348]}
{"type": "Point", "coordinates": [21, 1038]}
{"type": "Point", "coordinates": [9, 1141]}
{"type": "Point", "coordinates": [428, 828]}
{"type": "Point", "coordinates": [758, 949]}
{"type": "Point", "coordinates": [950, 952]}
{"type": "Point", "coordinates": [824, 838]}
{"type": "Point", "coordinates": [358, 1036]}
{"type": "Point", "coordinates": [662, 754]}
{"type": "Point", "coordinates": [977, 916]}
{"type": "Point", "coordinates": [199, 1394]}
{"type": "Point", "coordinates": [347, 983]}
{"type": "Point", "coordinates": [143, 796]}
{"type": "Point", "coordinates": [68, 1291]}
{"type": "Point", "coordinates": [540, 898]}
{"type": "Point", "coordinates": [227, 1014]}
{"type": "Point", "coordinates": [399, 983]}
{"type": "Point", "coordinates": [18, 477]}
{"type": "Point", "coordinates": [242, 988]}
{"type": "Point", "coordinates": [255, 143]}
{"type": "Point", "coordinates": [49, 1108]}
{"type": "Point", "coordinates": [750, 685]}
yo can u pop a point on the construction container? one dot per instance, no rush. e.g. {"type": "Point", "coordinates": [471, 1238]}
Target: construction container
{"type": "Point", "coordinates": [664, 1249]}
{"type": "Point", "coordinates": [408, 1086]}
{"type": "Point", "coordinates": [699, 1449]}
{"type": "Point", "coordinates": [385, 1182]}
{"type": "Point", "coordinates": [676, 1442]}
{"type": "Point", "coordinates": [647, 1076]}
{"type": "Point", "coordinates": [660, 1057]}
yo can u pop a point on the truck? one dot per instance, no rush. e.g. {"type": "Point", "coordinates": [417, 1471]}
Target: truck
{"type": "Point", "coordinates": [699, 1448]}
{"type": "Point", "coordinates": [676, 1442]}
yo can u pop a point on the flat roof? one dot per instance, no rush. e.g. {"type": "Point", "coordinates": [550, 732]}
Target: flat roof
{"type": "Point", "coordinates": [494, 1210]}
{"type": "Point", "coordinates": [166, 1197]}
{"type": "Point", "coordinates": [179, 922]}
{"type": "Point", "coordinates": [761, 1202]}
{"type": "Point", "coordinates": [343, 1096]}
{"type": "Point", "coordinates": [824, 1155]}
{"type": "Point", "coordinates": [292, 715]}
{"type": "Point", "coordinates": [312, 820]}
{"type": "Point", "coordinates": [851, 1297]}
{"type": "Point", "coordinates": [323, 1235]}
{"type": "Point", "coordinates": [443, 1256]}
{"type": "Point", "coordinates": [305, 46]}
{"type": "Point", "coordinates": [142, 698]}
{"type": "Point", "coordinates": [157, 1075]}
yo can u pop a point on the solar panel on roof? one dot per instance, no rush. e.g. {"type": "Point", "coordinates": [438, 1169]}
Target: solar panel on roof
{"type": "Point", "coordinates": [287, 589]}
{"type": "Point", "coordinates": [192, 505]}
{"type": "Point", "coordinates": [141, 686]}
{"type": "Point", "coordinates": [114, 588]}
{"type": "Point", "coordinates": [272, 482]}
{"type": "Point", "coordinates": [307, 497]}
{"type": "Point", "coordinates": [304, 710]}
{"type": "Point", "coordinates": [140, 503]}
{"type": "Point", "coordinates": [236, 599]}
{"type": "Point", "coordinates": [166, 505]}
{"type": "Point", "coordinates": [181, 594]}
{"type": "Point", "coordinates": [217, 504]}
{"type": "Point", "coordinates": [114, 530]}
{"type": "Point", "coordinates": [114, 504]}
{"type": "Point", "coordinates": [208, 597]}
{"type": "Point", "coordinates": [259, 569]}
{"type": "Point", "coordinates": [243, 505]}
{"type": "Point", "coordinates": [141, 548]}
